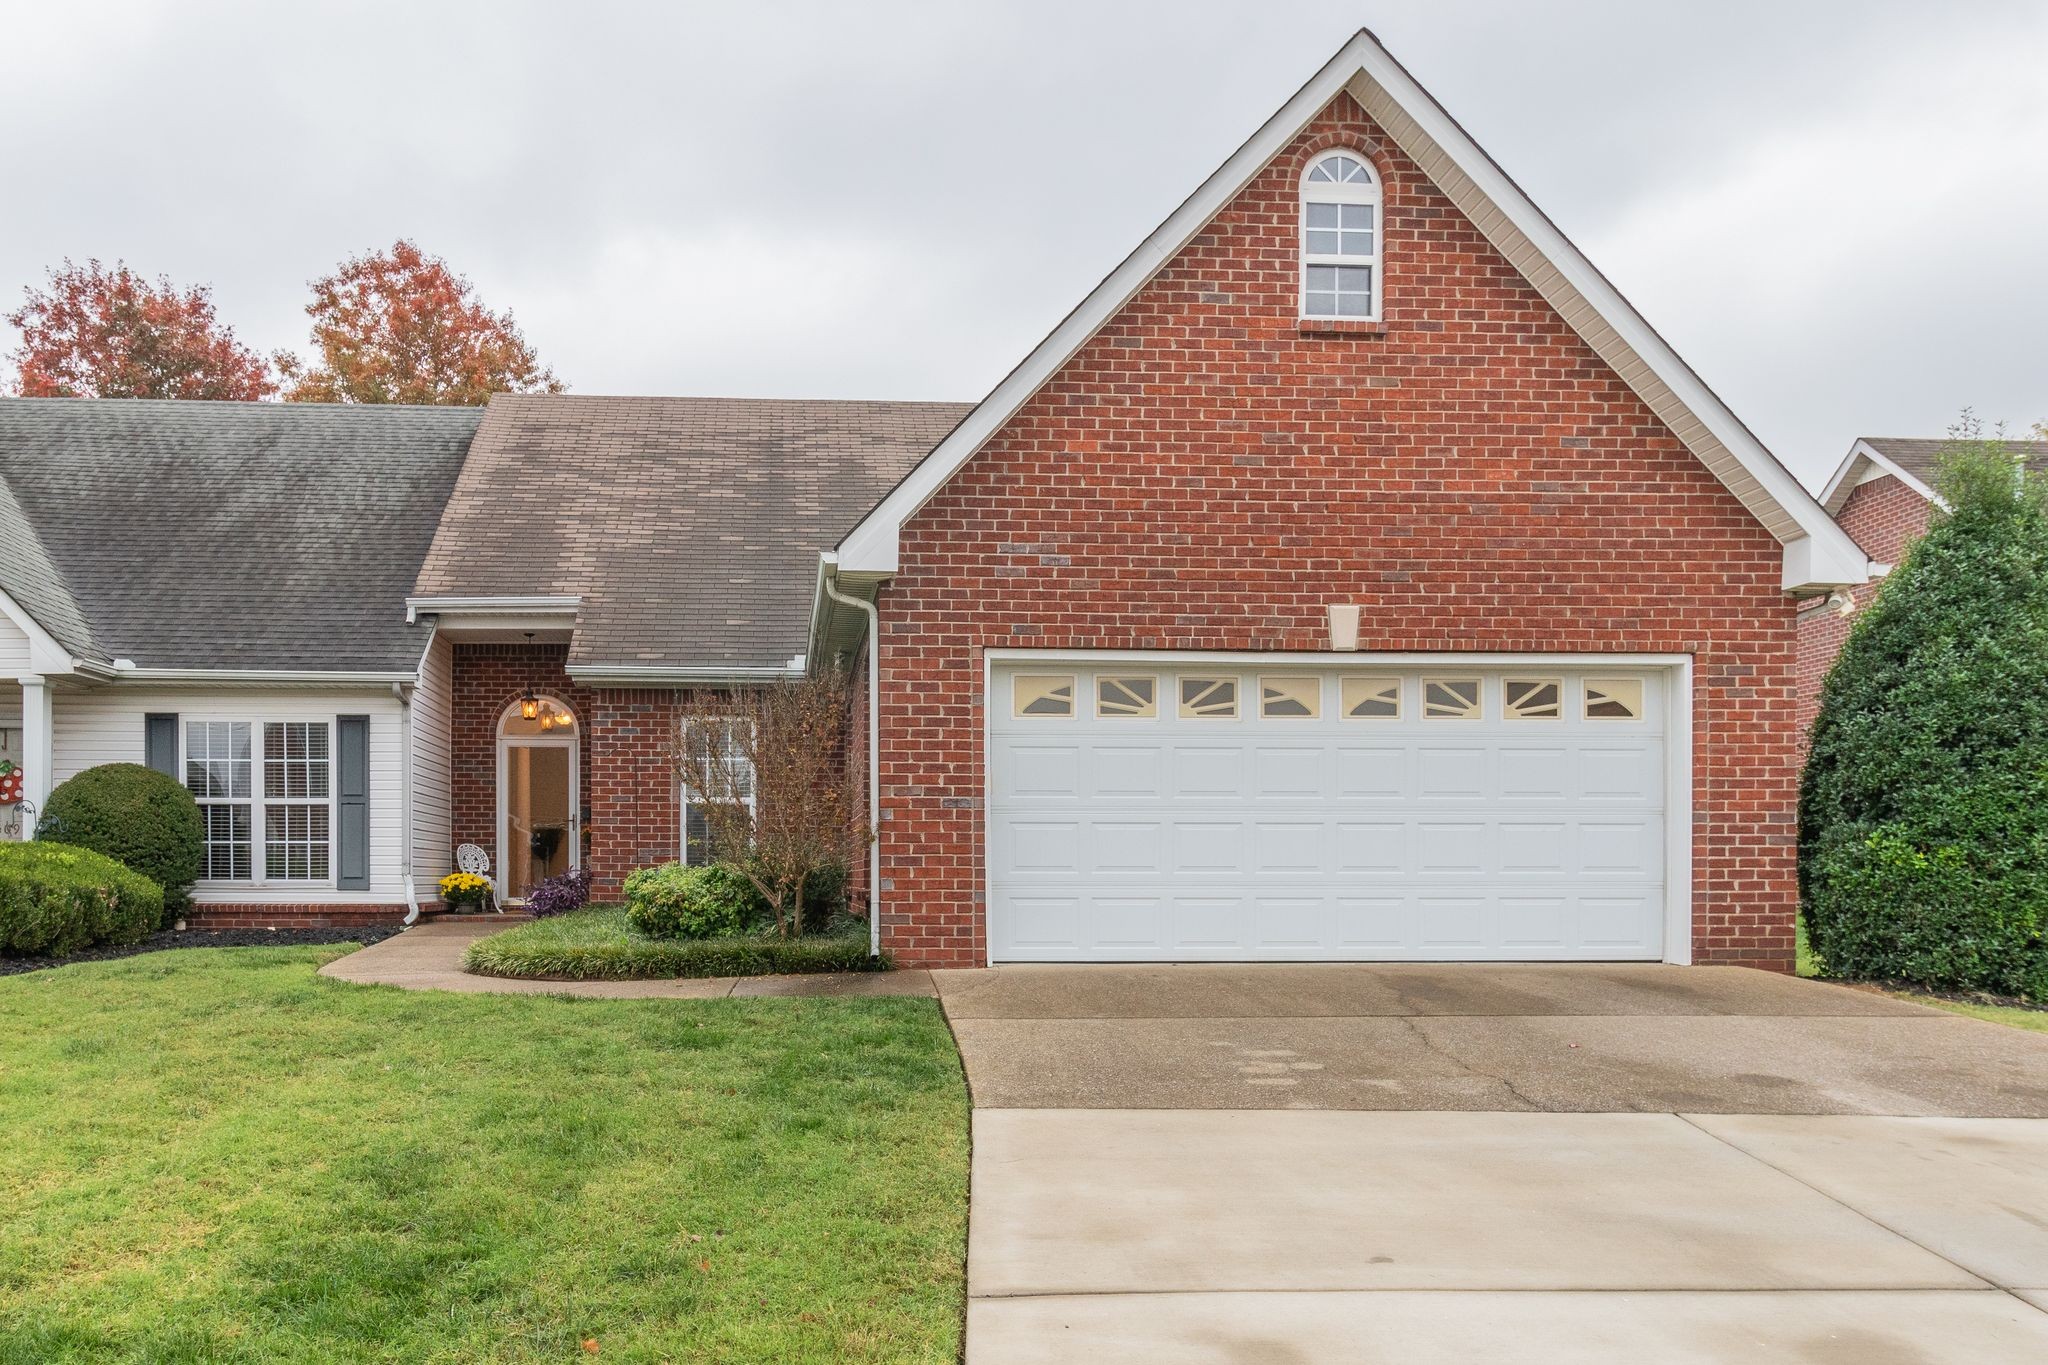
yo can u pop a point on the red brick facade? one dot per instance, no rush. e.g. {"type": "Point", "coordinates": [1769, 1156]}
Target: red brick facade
{"type": "Point", "coordinates": [489, 679]}
{"type": "Point", "coordinates": [1208, 473]}
{"type": "Point", "coordinates": [1883, 516]}
{"type": "Point", "coordinates": [311, 915]}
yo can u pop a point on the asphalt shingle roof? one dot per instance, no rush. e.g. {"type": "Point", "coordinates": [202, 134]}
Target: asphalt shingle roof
{"type": "Point", "coordinates": [1920, 457]}
{"type": "Point", "coordinates": [690, 527]}
{"type": "Point", "coordinates": [186, 534]}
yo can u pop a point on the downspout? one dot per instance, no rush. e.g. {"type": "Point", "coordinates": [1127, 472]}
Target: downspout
{"type": "Point", "coordinates": [874, 761]}
{"type": "Point", "coordinates": [412, 899]}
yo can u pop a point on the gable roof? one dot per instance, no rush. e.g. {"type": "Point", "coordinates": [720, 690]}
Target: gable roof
{"type": "Point", "coordinates": [198, 535]}
{"type": "Point", "coordinates": [1912, 459]}
{"type": "Point", "coordinates": [688, 529]}
{"type": "Point", "coordinates": [1817, 553]}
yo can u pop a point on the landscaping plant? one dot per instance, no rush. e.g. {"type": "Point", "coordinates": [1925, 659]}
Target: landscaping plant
{"type": "Point", "coordinates": [57, 899]}
{"type": "Point", "coordinates": [675, 901]}
{"type": "Point", "coordinates": [559, 894]}
{"type": "Point", "coordinates": [1923, 852]}
{"type": "Point", "coordinates": [768, 768]}
{"type": "Point", "coordinates": [459, 889]}
{"type": "Point", "coordinates": [137, 816]}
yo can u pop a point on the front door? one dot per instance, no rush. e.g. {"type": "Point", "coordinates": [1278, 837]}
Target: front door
{"type": "Point", "coordinates": [537, 836]}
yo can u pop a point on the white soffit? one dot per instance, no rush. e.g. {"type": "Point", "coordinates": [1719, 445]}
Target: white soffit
{"type": "Point", "coordinates": [1819, 554]}
{"type": "Point", "coordinates": [1864, 462]}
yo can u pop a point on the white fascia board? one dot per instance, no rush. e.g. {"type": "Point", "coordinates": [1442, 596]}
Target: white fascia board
{"type": "Point", "coordinates": [561, 604]}
{"type": "Point", "coordinates": [1814, 565]}
{"type": "Point", "coordinates": [1766, 487]}
{"type": "Point", "coordinates": [1862, 456]}
{"type": "Point", "coordinates": [708, 675]}
{"type": "Point", "coordinates": [264, 676]}
{"type": "Point", "coordinates": [45, 656]}
{"type": "Point", "coordinates": [871, 546]}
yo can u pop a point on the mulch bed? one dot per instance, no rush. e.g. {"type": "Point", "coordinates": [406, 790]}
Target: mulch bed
{"type": "Point", "coordinates": [206, 938]}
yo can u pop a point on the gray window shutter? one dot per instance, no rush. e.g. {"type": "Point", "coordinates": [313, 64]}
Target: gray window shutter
{"type": "Point", "coordinates": [352, 802]}
{"type": "Point", "coordinates": [160, 744]}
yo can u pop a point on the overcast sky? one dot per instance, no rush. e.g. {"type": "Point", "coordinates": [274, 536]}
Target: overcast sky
{"type": "Point", "coordinates": [1835, 210]}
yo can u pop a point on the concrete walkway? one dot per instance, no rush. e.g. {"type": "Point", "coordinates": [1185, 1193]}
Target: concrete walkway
{"type": "Point", "coordinates": [1293, 1164]}
{"type": "Point", "coordinates": [428, 957]}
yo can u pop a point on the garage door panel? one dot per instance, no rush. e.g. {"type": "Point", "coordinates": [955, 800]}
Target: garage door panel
{"type": "Point", "coordinates": [1123, 847]}
{"type": "Point", "coordinates": [1379, 847]}
{"type": "Point", "coordinates": [1206, 848]}
{"type": "Point", "coordinates": [1286, 848]}
{"type": "Point", "coordinates": [1376, 773]}
{"type": "Point", "coordinates": [1166, 837]}
{"type": "Point", "coordinates": [1127, 772]}
{"type": "Point", "coordinates": [1452, 774]}
{"type": "Point", "coordinates": [1295, 773]}
{"type": "Point", "coordinates": [1208, 772]}
{"type": "Point", "coordinates": [1209, 921]}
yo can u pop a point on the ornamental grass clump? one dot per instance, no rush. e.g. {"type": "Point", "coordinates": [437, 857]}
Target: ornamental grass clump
{"type": "Point", "coordinates": [1923, 853]}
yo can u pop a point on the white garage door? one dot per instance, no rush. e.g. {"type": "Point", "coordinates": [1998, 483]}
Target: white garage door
{"type": "Point", "coordinates": [1186, 812]}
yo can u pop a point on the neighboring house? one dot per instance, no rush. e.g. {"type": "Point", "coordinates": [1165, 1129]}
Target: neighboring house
{"type": "Point", "coordinates": [1882, 495]}
{"type": "Point", "coordinates": [1352, 574]}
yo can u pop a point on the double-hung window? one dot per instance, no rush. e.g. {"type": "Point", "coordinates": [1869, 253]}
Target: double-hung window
{"type": "Point", "coordinates": [736, 777]}
{"type": "Point", "coordinates": [288, 805]}
{"type": "Point", "coordinates": [1340, 238]}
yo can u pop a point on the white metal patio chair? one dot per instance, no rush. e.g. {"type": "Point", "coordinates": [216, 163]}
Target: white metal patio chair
{"type": "Point", "coordinates": [477, 863]}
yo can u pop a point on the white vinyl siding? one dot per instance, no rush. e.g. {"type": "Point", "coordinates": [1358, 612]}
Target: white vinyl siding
{"type": "Point", "coordinates": [105, 725]}
{"type": "Point", "coordinates": [1353, 813]}
{"type": "Point", "coordinates": [433, 853]}
{"type": "Point", "coordinates": [14, 656]}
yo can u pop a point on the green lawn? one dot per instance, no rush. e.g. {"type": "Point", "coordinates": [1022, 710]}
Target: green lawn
{"type": "Point", "coordinates": [2035, 1021]}
{"type": "Point", "coordinates": [598, 944]}
{"type": "Point", "coordinates": [214, 1155]}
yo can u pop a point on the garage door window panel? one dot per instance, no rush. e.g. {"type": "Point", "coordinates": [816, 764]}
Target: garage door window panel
{"type": "Point", "coordinates": [1532, 698]}
{"type": "Point", "coordinates": [1284, 698]}
{"type": "Point", "coordinates": [1371, 698]}
{"type": "Point", "coordinates": [1043, 695]}
{"type": "Point", "coordinates": [1450, 699]}
{"type": "Point", "coordinates": [1208, 698]}
{"type": "Point", "coordinates": [1614, 698]}
{"type": "Point", "coordinates": [1126, 696]}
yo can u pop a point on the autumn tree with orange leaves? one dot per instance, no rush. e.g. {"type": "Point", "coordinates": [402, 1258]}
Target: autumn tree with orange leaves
{"type": "Point", "coordinates": [401, 327]}
{"type": "Point", "coordinates": [100, 333]}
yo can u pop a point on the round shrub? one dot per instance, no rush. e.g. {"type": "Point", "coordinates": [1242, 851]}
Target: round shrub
{"type": "Point", "coordinates": [675, 901]}
{"type": "Point", "coordinates": [1923, 843]}
{"type": "Point", "coordinates": [138, 817]}
{"type": "Point", "coordinates": [56, 899]}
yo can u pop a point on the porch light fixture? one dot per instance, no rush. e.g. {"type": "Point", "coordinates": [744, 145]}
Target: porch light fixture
{"type": "Point", "coordinates": [529, 707]}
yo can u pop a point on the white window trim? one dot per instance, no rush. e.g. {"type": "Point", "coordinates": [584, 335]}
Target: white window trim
{"type": "Point", "coordinates": [1325, 192]}
{"type": "Point", "coordinates": [573, 742]}
{"type": "Point", "coordinates": [751, 803]}
{"type": "Point", "coordinates": [258, 820]}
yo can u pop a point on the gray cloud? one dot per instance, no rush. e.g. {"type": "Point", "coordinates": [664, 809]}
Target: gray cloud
{"type": "Point", "coordinates": [1831, 209]}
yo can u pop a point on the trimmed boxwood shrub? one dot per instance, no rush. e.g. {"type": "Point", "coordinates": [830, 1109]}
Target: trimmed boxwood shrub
{"type": "Point", "coordinates": [56, 899]}
{"type": "Point", "coordinates": [137, 816]}
{"type": "Point", "coordinates": [676, 901]}
{"type": "Point", "coordinates": [592, 945]}
{"type": "Point", "coordinates": [1923, 851]}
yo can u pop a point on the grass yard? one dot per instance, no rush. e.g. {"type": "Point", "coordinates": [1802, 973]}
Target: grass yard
{"type": "Point", "coordinates": [599, 945]}
{"type": "Point", "coordinates": [214, 1155]}
{"type": "Point", "coordinates": [2034, 1021]}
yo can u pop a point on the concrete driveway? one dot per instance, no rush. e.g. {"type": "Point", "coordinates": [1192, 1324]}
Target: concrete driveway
{"type": "Point", "coordinates": [1423, 1163]}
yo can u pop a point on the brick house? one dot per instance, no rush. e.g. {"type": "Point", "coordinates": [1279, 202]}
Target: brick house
{"type": "Point", "coordinates": [1882, 494]}
{"type": "Point", "coordinates": [1352, 574]}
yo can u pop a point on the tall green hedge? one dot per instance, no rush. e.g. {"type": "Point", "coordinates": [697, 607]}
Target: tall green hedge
{"type": "Point", "coordinates": [56, 899]}
{"type": "Point", "coordinates": [1924, 805]}
{"type": "Point", "coordinates": [138, 817]}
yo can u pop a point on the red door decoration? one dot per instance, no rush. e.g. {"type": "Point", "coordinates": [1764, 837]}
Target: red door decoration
{"type": "Point", "coordinates": [10, 783]}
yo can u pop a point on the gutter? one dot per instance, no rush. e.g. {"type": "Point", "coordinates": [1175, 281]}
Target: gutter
{"type": "Point", "coordinates": [825, 582]}
{"type": "Point", "coordinates": [132, 673]}
{"type": "Point", "coordinates": [565, 603]}
{"type": "Point", "coordinates": [709, 675]}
